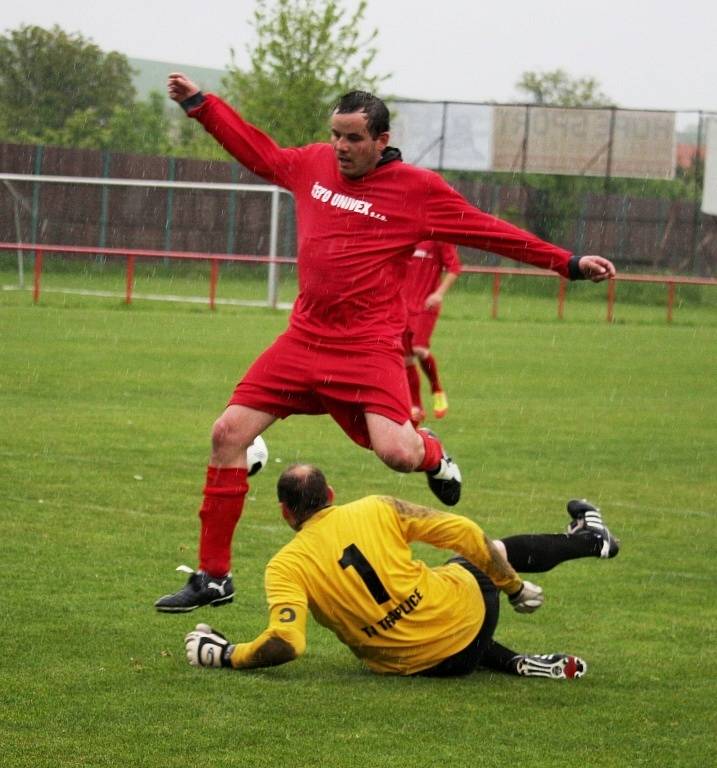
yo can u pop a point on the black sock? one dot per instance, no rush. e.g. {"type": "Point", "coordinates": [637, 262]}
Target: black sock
{"type": "Point", "coordinates": [499, 658]}
{"type": "Point", "coordinates": [535, 553]}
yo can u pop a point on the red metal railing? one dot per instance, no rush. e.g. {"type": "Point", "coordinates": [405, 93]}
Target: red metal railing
{"type": "Point", "coordinates": [670, 281]}
{"type": "Point", "coordinates": [215, 259]}
{"type": "Point", "coordinates": [130, 254]}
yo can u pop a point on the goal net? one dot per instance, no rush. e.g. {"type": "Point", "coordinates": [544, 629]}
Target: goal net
{"type": "Point", "coordinates": [180, 219]}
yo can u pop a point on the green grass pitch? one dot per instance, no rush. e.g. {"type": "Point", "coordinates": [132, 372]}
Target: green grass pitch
{"type": "Point", "coordinates": [106, 412]}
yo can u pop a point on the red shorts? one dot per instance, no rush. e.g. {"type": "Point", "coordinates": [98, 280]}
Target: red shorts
{"type": "Point", "coordinates": [420, 326]}
{"type": "Point", "coordinates": [294, 376]}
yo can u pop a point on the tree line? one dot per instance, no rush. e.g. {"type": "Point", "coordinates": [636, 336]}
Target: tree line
{"type": "Point", "coordinates": [61, 89]}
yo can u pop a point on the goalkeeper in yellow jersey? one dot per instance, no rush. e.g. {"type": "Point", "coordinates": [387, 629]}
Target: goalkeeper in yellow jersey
{"type": "Point", "coordinates": [352, 567]}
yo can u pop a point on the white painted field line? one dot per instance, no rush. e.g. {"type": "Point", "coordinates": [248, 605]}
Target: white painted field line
{"type": "Point", "coordinates": [152, 297]}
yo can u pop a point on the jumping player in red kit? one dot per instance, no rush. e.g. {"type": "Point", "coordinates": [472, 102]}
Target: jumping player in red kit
{"type": "Point", "coordinates": [432, 270]}
{"type": "Point", "coordinates": [360, 211]}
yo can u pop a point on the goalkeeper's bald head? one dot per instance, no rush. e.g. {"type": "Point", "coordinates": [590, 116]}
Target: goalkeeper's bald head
{"type": "Point", "coordinates": [302, 490]}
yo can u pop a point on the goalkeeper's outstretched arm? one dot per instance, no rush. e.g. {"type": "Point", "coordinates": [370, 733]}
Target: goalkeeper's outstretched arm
{"type": "Point", "coordinates": [449, 531]}
{"type": "Point", "coordinates": [268, 650]}
{"type": "Point", "coordinates": [206, 647]}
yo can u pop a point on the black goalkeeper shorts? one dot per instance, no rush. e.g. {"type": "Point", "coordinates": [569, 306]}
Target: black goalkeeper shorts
{"type": "Point", "coordinates": [465, 661]}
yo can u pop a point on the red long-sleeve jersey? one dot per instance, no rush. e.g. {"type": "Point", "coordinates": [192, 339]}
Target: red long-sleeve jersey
{"type": "Point", "coordinates": [355, 236]}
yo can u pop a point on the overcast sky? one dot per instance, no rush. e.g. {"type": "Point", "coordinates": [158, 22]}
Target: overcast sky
{"type": "Point", "coordinates": [651, 54]}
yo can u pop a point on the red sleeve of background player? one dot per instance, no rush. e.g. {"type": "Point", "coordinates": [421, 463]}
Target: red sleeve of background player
{"type": "Point", "coordinates": [450, 261]}
{"type": "Point", "coordinates": [250, 146]}
{"type": "Point", "coordinates": [450, 217]}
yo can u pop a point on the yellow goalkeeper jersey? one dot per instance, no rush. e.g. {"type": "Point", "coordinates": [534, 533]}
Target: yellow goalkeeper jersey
{"type": "Point", "coordinates": [352, 567]}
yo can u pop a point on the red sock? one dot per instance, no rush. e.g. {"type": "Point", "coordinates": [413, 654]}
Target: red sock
{"type": "Point", "coordinates": [224, 495]}
{"type": "Point", "coordinates": [431, 370]}
{"type": "Point", "coordinates": [433, 454]}
{"type": "Point", "coordinates": [414, 385]}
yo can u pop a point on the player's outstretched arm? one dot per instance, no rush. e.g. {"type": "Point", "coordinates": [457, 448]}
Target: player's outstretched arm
{"type": "Point", "coordinates": [207, 647]}
{"type": "Point", "coordinates": [596, 268]}
{"type": "Point", "coordinates": [282, 641]}
{"type": "Point", "coordinates": [180, 87]}
{"type": "Point", "coordinates": [449, 531]}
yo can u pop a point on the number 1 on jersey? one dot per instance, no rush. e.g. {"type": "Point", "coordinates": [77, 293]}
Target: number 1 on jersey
{"type": "Point", "coordinates": [353, 557]}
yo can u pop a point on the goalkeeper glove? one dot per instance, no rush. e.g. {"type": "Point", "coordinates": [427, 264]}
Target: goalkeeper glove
{"type": "Point", "coordinates": [528, 598]}
{"type": "Point", "coordinates": [206, 647]}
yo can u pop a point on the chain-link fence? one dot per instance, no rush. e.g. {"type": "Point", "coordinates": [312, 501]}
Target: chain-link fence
{"type": "Point", "coordinates": [615, 182]}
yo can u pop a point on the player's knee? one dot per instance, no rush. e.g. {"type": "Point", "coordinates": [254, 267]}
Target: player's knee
{"type": "Point", "coordinates": [400, 458]}
{"type": "Point", "coordinates": [226, 433]}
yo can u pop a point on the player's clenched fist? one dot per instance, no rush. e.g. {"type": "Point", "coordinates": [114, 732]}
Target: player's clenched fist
{"type": "Point", "coordinates": [206, 647]}
{"type": "Point", "coordinates": [596, 268]}
{"type": "Point", "coordinates": [528, 598]}
{"type": "Point", "coordinates": [180, 87]}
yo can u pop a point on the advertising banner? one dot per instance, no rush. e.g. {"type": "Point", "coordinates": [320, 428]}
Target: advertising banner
{"type": "Point", "coordinates": [709, 189]}
{"type": "Point", "coordinates": [533, 139]}
{"type": "Point", "coordinates": [577, 142]}
{"type": "Point", "coordinates": [417, 130]}
{"type": "Point", "coordinates": [469, 138]}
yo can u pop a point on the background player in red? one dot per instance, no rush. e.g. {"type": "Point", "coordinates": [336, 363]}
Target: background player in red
{"type": "Point", "coordinates": [432, 270]}
{"type": "Point", "coordinates": [360, 211]}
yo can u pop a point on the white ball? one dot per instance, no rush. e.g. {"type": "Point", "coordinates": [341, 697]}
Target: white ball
{"type": "Point", "coordinates": [257, 454]}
